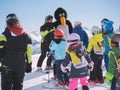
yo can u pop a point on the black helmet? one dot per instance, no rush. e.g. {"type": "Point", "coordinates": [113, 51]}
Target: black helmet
{"type": "Point", "coordinates": [48, 17]}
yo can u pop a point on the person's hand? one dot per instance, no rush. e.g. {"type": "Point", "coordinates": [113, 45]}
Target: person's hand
{"type": "Point", "coordinates": [63, 69]}
{"type": "Point", "coordinates": [91, 65]}
{"type": "Point", "coordinates": [108, 79]}
{"type": "Point", "coordinates": [28, 68]}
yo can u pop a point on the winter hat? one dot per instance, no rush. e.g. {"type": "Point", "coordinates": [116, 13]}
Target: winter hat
{"type": "Point", "coordinates": [77, 23]}
{"type": "Point", "coordinates": [107, 25]}
{"type": "Point", "coordinates": [73, 39]}
{"type": "Point", "coordinates": [11, 19]}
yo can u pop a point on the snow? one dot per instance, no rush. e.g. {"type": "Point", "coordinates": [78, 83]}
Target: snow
{"type": "Point", "coordinates": [35, 81]}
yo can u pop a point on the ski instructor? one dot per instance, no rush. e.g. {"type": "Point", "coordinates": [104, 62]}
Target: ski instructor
{"type": "Point", "coordinates": [17, 52]}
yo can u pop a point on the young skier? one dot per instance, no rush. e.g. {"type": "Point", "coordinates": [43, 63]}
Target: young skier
{"type": "Point", "coordinates": [114, 63]}
{"type": "Point", "coordinates": [107, 29]}
{"type": "Point", "coordinates": [95, 48]}
{"type": "Point", "coordinates": [59, 45]}
{"type": "Point", "coordinates": [17, 55]}
{"type": "Point", "coordinates": [78, 58]}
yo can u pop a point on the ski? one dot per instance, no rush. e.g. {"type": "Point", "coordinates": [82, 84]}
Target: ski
{"type": "Point", "coordinates": [50, 80]}
{"type": "Point", "coordinates": [53, 87]}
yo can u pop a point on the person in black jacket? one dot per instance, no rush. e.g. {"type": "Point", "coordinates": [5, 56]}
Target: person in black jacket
{"type": "Point", "coordinates": [47, 35]}
{"type": "Point", "coordinates": [17, 55]}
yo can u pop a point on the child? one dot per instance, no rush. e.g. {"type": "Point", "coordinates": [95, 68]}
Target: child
{"type": "Point", "coordinates": [95, 48]}
{"type": "Point", "coordinates": [113, 65]}
{"type": "Point", "coordinates": [58, 45]}
{"type": "Point", "coordinates": [107, 29]}
{"type": "Point", "coordinates": [79, 69]}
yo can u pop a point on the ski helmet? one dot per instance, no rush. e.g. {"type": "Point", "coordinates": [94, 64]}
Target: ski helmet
{"type": "Point", "coordinates": [116, 38]}
{"type": "Point", "coordinates": [95, 30]}
{"type": "Point", "coordinates": [73, 38]}
{"type": "Point", "coordinates": [48, 17]}
{"type": "Point", "coordinates": [58, 33]}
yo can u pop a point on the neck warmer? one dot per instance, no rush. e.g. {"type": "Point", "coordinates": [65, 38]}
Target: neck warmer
{"type": "Point", "coordinates": [16, 29]}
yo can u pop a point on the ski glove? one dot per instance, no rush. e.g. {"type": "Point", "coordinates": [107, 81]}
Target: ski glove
{"type": "Point", "coordinates": [91, 65]}
{"type": "Point", "coordinates": [28, 68]}
{"type": "Point", "coordinates": [51, 52]}
{"type": "Point", "coordinates": [63, 69]}
{"type": "Point", "coordinates": [108, 79]}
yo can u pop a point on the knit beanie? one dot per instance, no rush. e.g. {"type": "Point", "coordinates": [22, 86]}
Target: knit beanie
{"type": "Point", "coordinates": [11, 19]}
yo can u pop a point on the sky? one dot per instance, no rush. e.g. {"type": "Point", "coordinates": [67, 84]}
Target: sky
{"type": "Point", "coordinates": [32, 13]}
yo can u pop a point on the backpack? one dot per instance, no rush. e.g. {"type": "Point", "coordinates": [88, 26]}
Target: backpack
{"type": "Point", "coordinates": [117, 59]}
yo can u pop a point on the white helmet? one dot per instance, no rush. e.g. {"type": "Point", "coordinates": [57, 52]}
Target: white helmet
{"type": "Point", "coordinates": [95, 30]}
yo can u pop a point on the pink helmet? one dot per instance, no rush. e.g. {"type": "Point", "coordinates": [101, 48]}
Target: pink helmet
{"type": "Point", "coordinates": [73, 38]}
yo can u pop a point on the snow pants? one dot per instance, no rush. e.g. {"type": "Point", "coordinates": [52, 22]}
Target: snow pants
{"type": "Point", "coordinates": [11, 80]}
{"type": "Point", "coordinates": [44, 50]}
{"type": "Point", "coordinates": [73, 83]}
{"type": "Point", "coordinates": [96, 73]}
{"type": "Point", "coordinates": [113, 84]}
{"type": "Point", "coordinates": [106, 59]}
{"type": "Point", "coordinates": [60, 75]}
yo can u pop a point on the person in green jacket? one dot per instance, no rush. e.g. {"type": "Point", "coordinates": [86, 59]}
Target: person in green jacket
{"type": "Point", "coordinates": [114, 62]}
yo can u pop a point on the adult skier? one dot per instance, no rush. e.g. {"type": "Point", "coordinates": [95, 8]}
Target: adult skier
{"type": "Point", "coordinates": [17, 55]}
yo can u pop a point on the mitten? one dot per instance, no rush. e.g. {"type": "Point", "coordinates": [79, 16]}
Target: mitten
{"type": "Point", "coordinates": [51, 52]}
{"type": "Point", "coordinates": [109, 77]}
{"type": "Point", "coordinates": [63, 69]}
{"type": "Point", "coordinates": [28, 68]}
{"type": "Point", "coordinates": [91, 65]}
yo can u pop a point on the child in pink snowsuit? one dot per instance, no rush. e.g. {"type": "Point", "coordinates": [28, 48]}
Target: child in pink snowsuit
{"type": "Point", "coordinates": [78, 65]}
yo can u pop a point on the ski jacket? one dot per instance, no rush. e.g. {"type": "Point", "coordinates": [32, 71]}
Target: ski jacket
{"type": "Point", "coordinates": [95, 44]}
{"type": "Point", "coordinates": [82, 71]}
{"type": "Point", "coordinates": [59, 49]}
{"type": "Point", "coordinates": [47, 33]}
{"type": "Point", "coordinates": [107, 42]}
{"type": "Point", "coordinates": [18, 50]}
{"type": "Point", "coordinates": [112, 61]}
{"type": "Point", "coordinates": [83, 35]}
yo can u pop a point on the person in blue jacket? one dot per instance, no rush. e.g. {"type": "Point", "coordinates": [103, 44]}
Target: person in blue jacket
{"type": "Point", "coordinates": [59, 46]}
{"type": "Point", "coordinates": [79, 30]}
{"type": "Point", "coordinates": [107, 29]}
